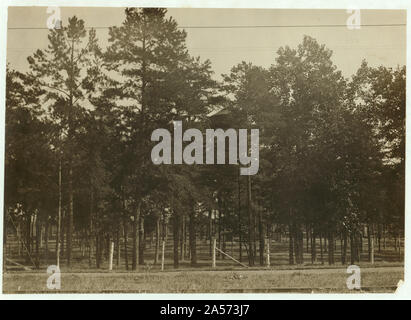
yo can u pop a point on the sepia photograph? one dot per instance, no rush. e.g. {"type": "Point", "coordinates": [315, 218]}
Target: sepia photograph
{"type": "Point", "coordinates": [204, 150]}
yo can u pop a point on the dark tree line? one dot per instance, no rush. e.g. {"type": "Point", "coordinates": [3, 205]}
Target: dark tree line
{"type": "Point", "coordinates": [78, 127]}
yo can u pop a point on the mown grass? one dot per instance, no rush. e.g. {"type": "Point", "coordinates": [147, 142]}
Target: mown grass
{"type": "Point", "coordinates": [382, 276]}
{"type": "Point", "coordinates": [317, 280]}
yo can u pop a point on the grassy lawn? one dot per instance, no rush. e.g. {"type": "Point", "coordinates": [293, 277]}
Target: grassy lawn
{"type": "Point", "coordinates": [228, 277]}
{"type": "Point", "coordinates": [377, 279]}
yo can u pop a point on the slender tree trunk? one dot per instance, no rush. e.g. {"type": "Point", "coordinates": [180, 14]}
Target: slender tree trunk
{"type": "Point", "coordinates": [176, 230]}
{"type": "Point", "coordinates": [344, 247]}
{"type": "Point", "coordinates": [135, 253]}
{"type": "Point", "coordinates": [255, 233]}
{"type": "Point", "coordinates": [157, 247]}
{"type": "Point", "coordinates": [141, 237]}
{"type": "Point", "coordinates": [58, 232]}
{"type": "Point", "coordinates": [296, 242]}
{"type": "Point", "coordinates": [192, 238]}
{"type": "Point", "coordinates": [370, 244]}
{"type": "Point", "coordinates": [91, 226]}
{"type": "Point", "coordinates": [219, 227]}
{"type": "Point", "coordinates": [125, 221]}
{"type": "Point", "coordinates": [46, 239]}
{"type": "Point", "coordinates": [70, 215]}
{"type": "Point", "coordinates": [360, 242]}
{"type": "Point", "coordinates": [395, 243]}
{"type": "Point", "coordinates": [358, 245]}
{"type": "Point", "coordinates": [5, 234]}
{"type": "Point", "coordinates": [210, 235]}
{"type": "Point", "coordinates": [321, 248]}
{"type": "Point", "coordinates": [331, 247]}
{"type": "Point", "coordinates": [100, 249]}
{"type": "Point", "coordinates": [223, 247]}
{"type": "Point", "coordinates": [38, 235]}
{"type": "Point", "coordinates": [28, 238]}
{"type": "Point", "coordinates": [261, 236]}
{"type": "Point", "coordinates": [352, 249]}
{"type": "Point", "coordinates": [183, 239]}
{"type": "Point", "coordinates": [250, 224]}
{"type": "Point", "coordinates": [118, 246]}
{"type": "Point", "coordinates": [63, 235]}
{"type": "Point", "coordinates": [313, 247]}
{"type": "Point", "coordinates": [301, 245]}
{"type": "Point", "coordinates": [240, 253]}
{"type": "Point", "coordinates": [106, 246]}
{"type": "Point", "coordinates": [379, 238]}
{"type": "Point", "coordinates": [18, 232]}
{"type": "Point", "coordinates": [291, 245]}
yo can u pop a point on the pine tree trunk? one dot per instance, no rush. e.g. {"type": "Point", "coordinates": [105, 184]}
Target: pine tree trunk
{"type": "Point", "coordinates": [157, 247]}
{"type": "Point", "coordinates": [38, 235]}
{"type": "Point", "coordinates": [261, 236]}
{"type": "Point", "coordinates": [63, 236]}
{"type": "Point", "coordinates": [176, 229]}
{"type": "Point", "coordinates": [296, 242]}
{"type": "Point", "coordinates": [370, 245]}
{"type": "Point", "coordinates": [352, 248]}
{"type": "Point", "coordinates": [210, 235]}
{"type": "Point", "coordinates": [135, 253]}
{"type": "Point", "coordinates": [141, 237]}
{"type": "Point", "coordinates": [118, 243]}
{"type": "Point", "coordinates": [46, 239]}
{"type": "Point", "coordinates": [91, 227]}
{"type": "Point", "coordinates": [291, 245]}
{"type": "Point", "coordinates": [240, 253]}
{"type": "Point", "coordinates": [321, 248]}
{"type": "Point", "coordinates": [379, 238]}
{"type": "Point", "coordinates": [192, 238]}
{"type": "Point", "coordinates": [183, 239]}
{"type": "Point", "coordinates": [344, 248]}
{"type": "Point", "coordinates": [358, 240]}
{"type": "Point", "coordinates": [125, 218]}
{"type": "Point", "coordinates": [100, 249]}
{"type": "Point", "coordinates": [28, 238]}
{"type": "Point", "coordinates": [219, 228]}
{"type": "Point", "coordinates": [331, 247]}
{"type": "Point", "coordinates": [301, 245]}
{"type": "Point", "coordinates": [250, 225]}
{"type": "Point", "coordinates": [70, 215]}
{"type": "Point", "coordinates": [313, 247]}
{"type": "Point", "coordinates": [125, 241]}
{"type": "Point", "coordinates": [18, 231]}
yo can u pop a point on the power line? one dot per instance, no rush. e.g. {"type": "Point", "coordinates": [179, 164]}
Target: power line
{"type": "Point", "coordinates": [293, 26]}
{"type": "Point", "coordinates": [246, 27]}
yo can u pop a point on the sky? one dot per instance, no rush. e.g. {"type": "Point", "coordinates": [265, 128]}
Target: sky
{"type": "Point", "coordinates": [228, 46]}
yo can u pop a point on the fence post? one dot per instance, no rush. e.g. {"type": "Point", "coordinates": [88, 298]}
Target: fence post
{"type": "Point", "coordinates": [162, 256]}
{"type": "Point", "coordinates": [214, 246]}
{"type": "Point", "coordinates": [111, 252]}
